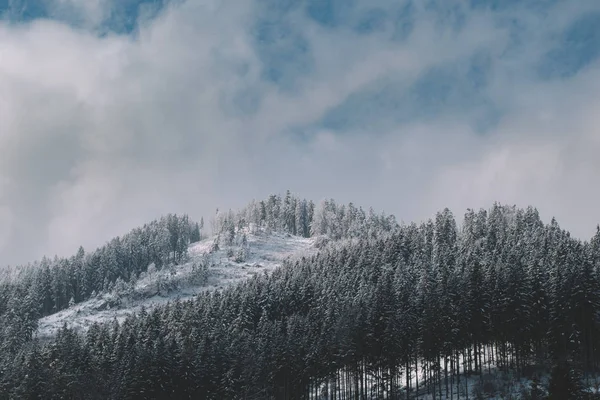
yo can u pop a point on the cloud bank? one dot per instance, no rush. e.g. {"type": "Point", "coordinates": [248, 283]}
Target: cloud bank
{"type": "Point", "coordinates": [405, 106]}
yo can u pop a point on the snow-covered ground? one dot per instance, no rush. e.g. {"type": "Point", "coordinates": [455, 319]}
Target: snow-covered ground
{"type": "Point", "coordinates": [264, 252]}
{"type": "Point", "coordinates": [493, 384]}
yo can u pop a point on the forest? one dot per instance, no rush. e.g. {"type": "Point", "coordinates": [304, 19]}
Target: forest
{"type": "Point", "coordinates": [383, 311]}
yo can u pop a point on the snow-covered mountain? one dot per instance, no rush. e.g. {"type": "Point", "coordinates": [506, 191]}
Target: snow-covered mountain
{"type": "Point", "coordinates": [205, 269]}
{"type": "Point", "coordinates": [364, 308]}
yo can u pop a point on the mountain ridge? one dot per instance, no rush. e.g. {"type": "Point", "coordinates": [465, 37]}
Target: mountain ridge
{"type": "Point", "coordinates": [365, 308]}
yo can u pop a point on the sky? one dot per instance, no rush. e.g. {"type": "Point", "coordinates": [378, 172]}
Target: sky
{"type": "Point", "coordinates": [115, 112]}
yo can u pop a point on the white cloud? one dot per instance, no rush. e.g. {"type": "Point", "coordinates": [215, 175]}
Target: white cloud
{"type": "Point", "coordinates": [100, 134]}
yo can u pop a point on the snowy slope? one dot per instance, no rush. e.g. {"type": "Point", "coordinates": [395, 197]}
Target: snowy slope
{"type": "Point", "coordinates": [264, 252]}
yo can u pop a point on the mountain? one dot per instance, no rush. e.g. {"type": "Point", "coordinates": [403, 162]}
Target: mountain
{"type": "Point", "coordinates": [294, 300]}
{"type": "Point", "coordinates": [205, 269]}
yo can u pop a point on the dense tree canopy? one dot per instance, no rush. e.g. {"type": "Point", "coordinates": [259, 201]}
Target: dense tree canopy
{"type": "Point", "coordinates": [357, 320]}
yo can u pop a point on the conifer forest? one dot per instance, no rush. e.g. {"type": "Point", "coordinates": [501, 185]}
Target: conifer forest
{"type": "Point", "coordinates": [380, 310]}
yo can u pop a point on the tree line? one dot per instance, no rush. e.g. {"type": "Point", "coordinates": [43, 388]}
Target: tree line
{"type": "Point", "coordinates": [396, 314]}
{"type": "Point", "coordinates": [300, 217]}
{"type": "Point", "coordinates": [51, 285]}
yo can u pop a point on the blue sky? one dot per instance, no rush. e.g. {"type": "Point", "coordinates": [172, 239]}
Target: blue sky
{"type": "Point", "coordinates": [114, 112]}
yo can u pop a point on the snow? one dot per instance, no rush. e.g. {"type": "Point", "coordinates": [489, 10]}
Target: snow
{"type": "Point", "coordinates": [494, 383]}
{"type": "Point", "coordinates": [265, 252]}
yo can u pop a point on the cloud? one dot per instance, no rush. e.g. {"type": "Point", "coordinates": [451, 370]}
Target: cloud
{"type": "Point", "coordinates": [399, 106]}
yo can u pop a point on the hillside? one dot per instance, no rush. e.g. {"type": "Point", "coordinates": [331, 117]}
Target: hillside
{"type": "Point", "coordinates": [292, 300]}
{"type": "Point", "coordinates": [205, 270]}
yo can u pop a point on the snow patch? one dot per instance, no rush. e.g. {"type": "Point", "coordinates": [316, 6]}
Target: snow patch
{"type": "Point", "coordinates": [204, 270]}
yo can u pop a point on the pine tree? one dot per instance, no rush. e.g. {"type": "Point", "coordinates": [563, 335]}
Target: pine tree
{"type": "Point", "coordinates": [564, 383]}
{"type": "Point", "coordinates": [301, 217]}
{"type": "Point", "coordinates": [195, 234]}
